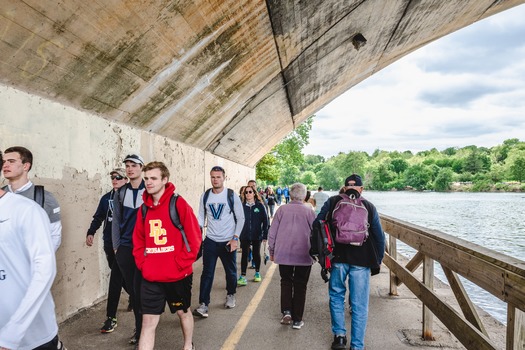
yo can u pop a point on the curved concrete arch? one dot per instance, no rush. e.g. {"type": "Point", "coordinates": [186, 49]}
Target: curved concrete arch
{"type": "Point", "coordinates": [203, 72]}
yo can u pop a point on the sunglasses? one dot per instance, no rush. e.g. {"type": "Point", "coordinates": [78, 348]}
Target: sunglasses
{"type": "Point", "coordinates": [248, 192]}
{"type": "Point", "coordinates": [117, 177]}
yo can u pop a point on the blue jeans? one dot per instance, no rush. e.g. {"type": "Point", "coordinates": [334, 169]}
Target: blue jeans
{"type": "Point", "coordinates": [211, 251]}
{"type": "Point", "coordinates": [359, 286]}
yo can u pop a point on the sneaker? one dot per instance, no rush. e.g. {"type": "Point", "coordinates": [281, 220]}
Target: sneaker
{"type": "Point", "coordinates": [298, 324]}
{"type": "Point", "coordinates": [109, 325]}
{"type": "Point", "coordinates": [201, 311]}
{"type": "Point", "coordinates": [60, 346]}
{"type": "Point", "coordinates": [242, 281]}
{"type": "Point", "coordinates": [134, 340]}
{"type": "Point", "coordinates": [257, 277]}
{"type": "Point", "coordinates": [339, 342]}
{"type": "Point", "coordinates": [287, 318]}
{"type": "Point", "coordinates": [230, 301]}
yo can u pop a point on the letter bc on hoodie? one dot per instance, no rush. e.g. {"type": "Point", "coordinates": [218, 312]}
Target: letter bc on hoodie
{"type": "Point", "coordinates": [158, 247]}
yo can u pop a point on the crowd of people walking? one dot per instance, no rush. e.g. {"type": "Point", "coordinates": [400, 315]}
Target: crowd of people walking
{"type": "Point", "coordinates": [153, 238]}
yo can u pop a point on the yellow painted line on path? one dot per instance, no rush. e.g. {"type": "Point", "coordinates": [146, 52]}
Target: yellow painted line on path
{"type": "Point", "coordinates": [234, 337]}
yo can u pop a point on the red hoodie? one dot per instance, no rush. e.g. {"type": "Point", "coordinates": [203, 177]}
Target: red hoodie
{"type": "Point", "coordinates": [158, 246]}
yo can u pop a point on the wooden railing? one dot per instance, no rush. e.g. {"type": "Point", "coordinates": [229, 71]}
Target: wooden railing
{"type": "Point", "coordinates": [498, 274]}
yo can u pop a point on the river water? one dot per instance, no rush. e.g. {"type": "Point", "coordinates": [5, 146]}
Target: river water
{"type": "Point", "coordinates": [493, 220]}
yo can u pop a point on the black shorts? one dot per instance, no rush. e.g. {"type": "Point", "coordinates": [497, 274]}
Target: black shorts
{"type": "Point", "coordinates": [155, 295]}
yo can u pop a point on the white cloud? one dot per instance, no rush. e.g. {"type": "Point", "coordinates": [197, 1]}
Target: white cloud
{"type": "Point", "coordinates": [465, 89]}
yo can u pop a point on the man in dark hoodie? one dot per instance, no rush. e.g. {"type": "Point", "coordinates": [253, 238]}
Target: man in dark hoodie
{"type": "Point", "coordinates": [104, 216]}
{"type": "Point", "coordinates": [353, 264]}
{"type": "Point", "coordinates": [163, 257]}
{"type": "Point", "coordinates": [126, 203]}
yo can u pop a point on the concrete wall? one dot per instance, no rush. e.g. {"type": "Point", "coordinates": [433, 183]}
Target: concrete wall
{"type": "Point", "coordinates": [73, 154]}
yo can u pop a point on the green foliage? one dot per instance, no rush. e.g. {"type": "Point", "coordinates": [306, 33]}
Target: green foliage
{"type": "Point", "coordinates": [267, 169]}
{"type": "Point", "coordinates": [443, 179]}
{"type": "Point", "coordinates": [290, 174]}
{"type": "Point", "coordinates": [477, 168]}
{"type": "Point", "coordinates": [380, 176]}
{"type": "Point", "coordinates": [289, 151]}
{"type": "Point", "coordinates": [418, 177]}
{"type": "Point", "coordinates": [482, 186]}
{"type": "Point", "coordinates": [398, 165]}
{"type": "Point", "coordinates": [517, 169]}
{"type": "Point", "coordinates": [328, 177]}
{"type": "Point", "coordinates": [308, 178]}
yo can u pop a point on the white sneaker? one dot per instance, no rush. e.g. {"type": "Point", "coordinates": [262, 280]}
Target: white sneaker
{"type": "Point", "coordinates": [201, 311]}
{"type": "Point", "coordinates": [230, 301]}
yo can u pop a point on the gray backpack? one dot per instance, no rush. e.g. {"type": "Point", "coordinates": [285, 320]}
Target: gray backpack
{"type": "Point", "coordinates": [350, 219]}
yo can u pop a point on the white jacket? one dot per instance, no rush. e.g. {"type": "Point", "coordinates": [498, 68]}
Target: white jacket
{"type": "Point", "coordinates": [27, 271]}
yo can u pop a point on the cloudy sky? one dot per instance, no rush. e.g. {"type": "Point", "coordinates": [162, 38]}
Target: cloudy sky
{"type": "Point", "coordinates": [467, 88]}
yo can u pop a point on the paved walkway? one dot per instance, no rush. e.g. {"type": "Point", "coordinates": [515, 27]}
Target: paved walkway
{"type": "Point", "coordinates": [394, 322]}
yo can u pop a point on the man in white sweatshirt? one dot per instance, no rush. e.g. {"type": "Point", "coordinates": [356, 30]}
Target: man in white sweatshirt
{"type": "Point", "coordinates": [27, 271]}
{"type": "Point", "coordinates": [17, 163]}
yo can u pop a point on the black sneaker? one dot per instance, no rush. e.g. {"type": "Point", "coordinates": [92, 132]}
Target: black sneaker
{"type": "Point", "coordinates": [109, 325]}
{"type": "Point", "coordinates": [297, 324]}
{"type": "Point", "coordinates": [339, 342]}
{"type": "Point", "coordinates": [134, 339]}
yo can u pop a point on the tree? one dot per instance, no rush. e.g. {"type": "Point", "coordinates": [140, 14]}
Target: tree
{"type": "Point", "coordinates": [517, 169]}
{"type": "Point", "coordinates": [308, 178]}
{"type": "Point", "coordinates": [267, 169]}
{"type": "Point", "coordinates": [381, 176]}
{"type": "Point", "coordinates": [290, 175]}
{"type": "Point", "coordinates": [398, 165]}
{"type": "Point", "coordinates": [328, 178]}
{"type": "Point", "coordinates": [443, 180]}
{"type": "Point", "coordinates": [354, 163]}
{"type": "Point", "coordinates": [476, 162]}
{"type": "Point", "coordinates": [289, 150]}
{"type": "Point", "coordinates": [418, 176]}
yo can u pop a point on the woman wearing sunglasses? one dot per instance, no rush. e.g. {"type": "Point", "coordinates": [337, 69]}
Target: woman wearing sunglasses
{"type": "Point", "coordinates": [255, 231]}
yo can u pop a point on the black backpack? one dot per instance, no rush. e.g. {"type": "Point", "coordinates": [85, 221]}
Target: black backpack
{"type": "Point", "coordinates": [38, 197]}
{"type": "Point", "coordinates": [322, 246]}
{"type": "Point", "coordinates": [230, 201]}
{"type": "Point", "coordinates": [174, 216]}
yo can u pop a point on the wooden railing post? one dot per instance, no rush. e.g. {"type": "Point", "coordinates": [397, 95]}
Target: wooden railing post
{"type": "Point", "coordinates": [392, 248]}
{"type": "Point", "coordinates": [428, 280]}
{"type": "Point", "coordinates": [515, 328]}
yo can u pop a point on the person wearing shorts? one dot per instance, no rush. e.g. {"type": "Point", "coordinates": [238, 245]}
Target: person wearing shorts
{"type": "Point", "coordinates": [163, 256]}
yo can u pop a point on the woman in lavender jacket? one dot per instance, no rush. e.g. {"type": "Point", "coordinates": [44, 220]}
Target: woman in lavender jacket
{"type": "Point", "coordinates": [289, 245]}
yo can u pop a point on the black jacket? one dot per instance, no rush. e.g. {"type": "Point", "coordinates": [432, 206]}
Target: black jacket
{"type": "Point", "coordinates": [255, 222]}
{"type": "Point", "coordinates": [103, 215]}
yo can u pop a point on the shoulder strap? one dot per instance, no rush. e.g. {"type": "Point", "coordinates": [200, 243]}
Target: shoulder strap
{"type": "Point", "coordinates": [231, 203]}
{"type": "Point", "coordinates": [205, 200]}
{"type": "Point", "coordinates": [39, 195]}
{"type": "Point", "coordinates": [144, 211]}
{"type": "Point", "coordinates": [121, 195]}
{"type": "Point", "coordinates": [174, 215]}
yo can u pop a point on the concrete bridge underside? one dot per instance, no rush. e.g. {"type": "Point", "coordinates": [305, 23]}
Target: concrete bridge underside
{"type": "Point", "coordinates": [231, 77]}
{"type": "Point", "coordinates": [191, 83]}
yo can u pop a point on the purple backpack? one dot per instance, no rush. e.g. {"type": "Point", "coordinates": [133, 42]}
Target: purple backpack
{"type": "Point", "coordinates": [350, 219]}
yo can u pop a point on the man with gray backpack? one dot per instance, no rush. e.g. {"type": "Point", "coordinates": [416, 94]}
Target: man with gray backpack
{"type": "Point", "coordinates": [359, 245]}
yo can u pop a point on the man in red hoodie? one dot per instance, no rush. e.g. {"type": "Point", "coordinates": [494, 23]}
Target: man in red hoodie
{"type": "Point", "coordinates": [162, 256]}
